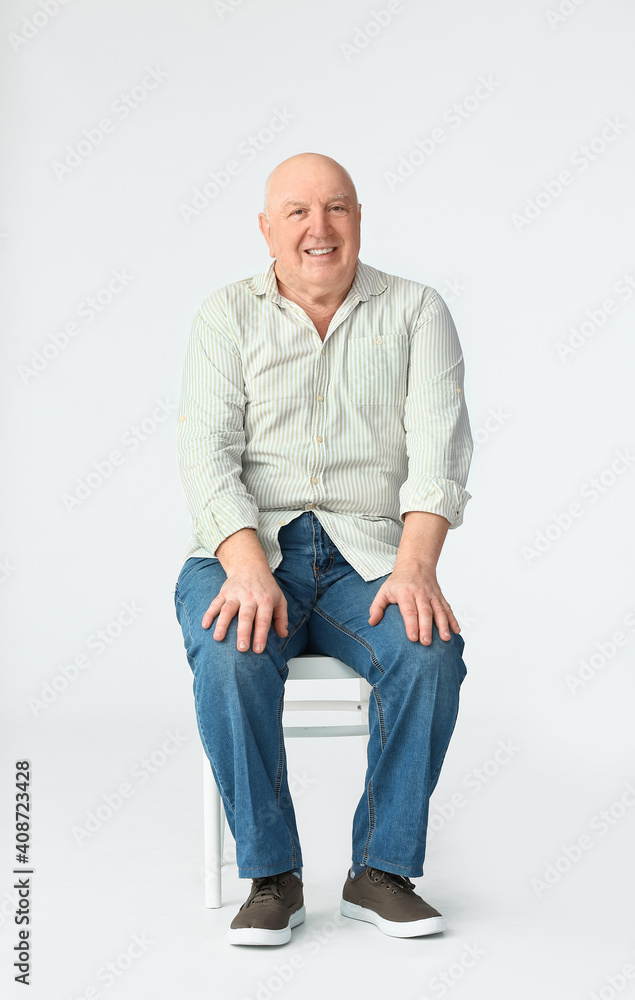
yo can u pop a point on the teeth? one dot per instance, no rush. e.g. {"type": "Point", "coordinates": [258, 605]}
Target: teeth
{"type": "Point", "coordinates": [315, 253]}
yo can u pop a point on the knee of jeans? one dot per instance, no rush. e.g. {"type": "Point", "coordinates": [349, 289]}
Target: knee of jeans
{"type": "Point", "coordinates": [447, 649]}
{"type": "Point", "coordinates": [228, 669]}
{"type": "Point", "coordinates": [451, 668]}
{"type": "Point", "coordinates": [442, 656]}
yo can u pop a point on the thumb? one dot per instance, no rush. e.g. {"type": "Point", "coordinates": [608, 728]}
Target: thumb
{"type": "Point", "coordinates": [377, 609]}
{"type": "Point", "coordinates": [281, 620]}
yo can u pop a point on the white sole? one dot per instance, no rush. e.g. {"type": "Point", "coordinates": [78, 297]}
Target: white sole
{"type": "Point", "coordinates": [263, 935]}
{"type": "Point", "coordinates": [394, 928]}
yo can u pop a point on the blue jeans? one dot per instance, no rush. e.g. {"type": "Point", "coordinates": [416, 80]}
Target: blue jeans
{"type": "Point", "coordinates": [239, 701]}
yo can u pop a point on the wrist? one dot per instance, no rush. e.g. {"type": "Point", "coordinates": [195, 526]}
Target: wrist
{"type": "Point", "coordinates": [421, 565]}
{"type": "Point", "coordinates": [242, 552]}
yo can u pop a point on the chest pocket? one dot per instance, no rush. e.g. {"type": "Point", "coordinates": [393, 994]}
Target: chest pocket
{"type": "Point", "coordinates": [378, 370]}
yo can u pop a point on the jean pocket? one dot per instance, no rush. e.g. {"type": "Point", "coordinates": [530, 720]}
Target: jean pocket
{"type": "Point", "coordinates": [377, 370]}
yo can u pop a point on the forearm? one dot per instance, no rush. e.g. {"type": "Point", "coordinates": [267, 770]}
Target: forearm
{"type": "Point", "coordinates": [241, 551]}
{"type": "Point", "coordinates": [211, 439]}
{"type": "Point", "coordinates": [422, 540]}
{"type": "Point", "coordinates": [438, 437]}
{"type": "Point", "coordinates": [413, 583]}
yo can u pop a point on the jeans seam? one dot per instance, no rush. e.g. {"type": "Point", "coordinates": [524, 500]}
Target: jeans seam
{"type": "Point", "coordinates": [316, 568]}
{"type": "Point", "coordinates": [279, 775]}
{"type": "Point", "coordinates": [380, 713]}
{"type": "Point", "coordinates": [289, 637]}
{"type": "Point", "coordinates": [371, 819]}
{"type": "Point", "coordinates": [177, 600]}
{"type": "Point", "coordinates": [280, 750]}
{"type": "Point", "coordinates": [294, 857]}
{"type": "Point", "coordinates": [352, 635]}
{"type": "Point", "coordinates": [260, 867]}
{"type": "Point", "coordinates": [331, 554]}
{"type": "Point", "coordinates": [381, 861]}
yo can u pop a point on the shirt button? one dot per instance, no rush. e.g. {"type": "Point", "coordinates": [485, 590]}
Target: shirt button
{"type": "Point", "coordinates": [323, 351]}
{"type": "Point", "coordinates": [319, 438]}
{"type": "Point", "coordinates": [378, 340]}
{"type": "Point", "coordinates": [320, 398]}
{"type": "Point", "coordinates": [457, 389]}
{"type": "Point", "coordinates": [282, 522]}
{"type": "Point", "coordinates": [314, 479]}
{"type": "Point", "coordinates": [182, 419]}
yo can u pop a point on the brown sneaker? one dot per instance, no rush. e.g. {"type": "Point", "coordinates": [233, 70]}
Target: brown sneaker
{"type": "Point", "coordinates": [274, 905]}
{"type": "Point", "coordinates": [390, 902]}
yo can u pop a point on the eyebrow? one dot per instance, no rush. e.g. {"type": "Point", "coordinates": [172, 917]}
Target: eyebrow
{"type": "Point", "coordinates": [335, 197]}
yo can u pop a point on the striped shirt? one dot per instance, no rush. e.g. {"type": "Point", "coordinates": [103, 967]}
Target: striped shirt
{"type": "Point", "coordinates": [359, 428]}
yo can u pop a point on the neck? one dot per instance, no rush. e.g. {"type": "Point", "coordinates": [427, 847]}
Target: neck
{"type": "Point", "coordinates": [314, 300]}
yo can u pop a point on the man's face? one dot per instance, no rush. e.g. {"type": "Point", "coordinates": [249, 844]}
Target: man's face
{"type": "Point", "coordinates": [312, 225]}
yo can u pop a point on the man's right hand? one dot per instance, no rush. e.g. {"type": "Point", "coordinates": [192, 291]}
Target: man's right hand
{"type": "Point", "coordinates": [259, 602]}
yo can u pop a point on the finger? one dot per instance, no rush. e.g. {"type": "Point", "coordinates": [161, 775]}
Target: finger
{"type": "Point", "coordinates": [454, 625]}
{"type": "Point", "coordinates": [376, 610]}
{"type": "Point", "coordinates": [281, 620]}
{"type": "Point", "coordinates": [425, 623]}
{"type": "Point", "coordinates": [441, 618]}
{"type": "Point", "coordinates": [227, 612]}
{"type": "Point", "coordinates": [245, 621]}
{"type": "Point", "coordinates": [262, 624]}
{"type": "Point", "coordinates": [212, 611]}
{"type": "Point", "coordinates": [410, 616]}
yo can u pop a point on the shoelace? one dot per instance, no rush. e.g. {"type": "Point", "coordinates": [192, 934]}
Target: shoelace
{"type": "Point", "coordinates": [267, 888]}
{"type": "Point", "coordinates": [397, 883]}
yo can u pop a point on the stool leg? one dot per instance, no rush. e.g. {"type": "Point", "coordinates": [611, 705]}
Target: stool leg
{"type": "Point", "coordinates": [212, 837]}
{"type": "Point", "coordinates": [222, 833]}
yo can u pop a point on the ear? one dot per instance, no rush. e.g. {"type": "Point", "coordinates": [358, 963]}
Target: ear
{"type": "Point", "coordinates": [265, 229]}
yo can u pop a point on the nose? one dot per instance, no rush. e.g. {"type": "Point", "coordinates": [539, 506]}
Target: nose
{"type": "Point", "coordinates": [320, 224]}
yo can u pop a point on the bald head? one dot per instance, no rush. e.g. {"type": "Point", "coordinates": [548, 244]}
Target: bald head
{"type": "Point", "coordinates": [311, 224]}
{"type": "Point", "coordinates": [287, 173]}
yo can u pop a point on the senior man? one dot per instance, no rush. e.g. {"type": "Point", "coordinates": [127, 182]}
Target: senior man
{"type": "Point", "coordinates": [324, 446]}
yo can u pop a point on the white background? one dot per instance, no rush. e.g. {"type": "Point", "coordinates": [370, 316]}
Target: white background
{"type": "Point", "coordinates": [535, 599]}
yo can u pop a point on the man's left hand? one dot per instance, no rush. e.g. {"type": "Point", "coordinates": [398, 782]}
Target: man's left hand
{"type": "Point", "coordinates": [420, 601]}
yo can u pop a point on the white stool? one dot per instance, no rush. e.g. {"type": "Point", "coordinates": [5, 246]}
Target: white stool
{"type": "Point", "coordinates": [307, 667]}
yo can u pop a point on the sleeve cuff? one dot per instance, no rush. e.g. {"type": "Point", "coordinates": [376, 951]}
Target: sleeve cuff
{"type": "Point", "coordinates": [437, 496]}
{"type": "Point", "coordinates": [227, 515]}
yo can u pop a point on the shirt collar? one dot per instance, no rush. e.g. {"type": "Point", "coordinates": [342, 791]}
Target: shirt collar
{"type": "Point", "coordinates": [367, 281]}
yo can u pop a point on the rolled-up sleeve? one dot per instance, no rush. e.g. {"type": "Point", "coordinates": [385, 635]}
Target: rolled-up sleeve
{"type": "Point", "coordinates": [211, 436]}
{"type": "Point", "coordinates": [438, 438]}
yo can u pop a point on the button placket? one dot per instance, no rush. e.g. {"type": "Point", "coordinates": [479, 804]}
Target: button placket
{"type": "Point", "coordinates": [316, 455]}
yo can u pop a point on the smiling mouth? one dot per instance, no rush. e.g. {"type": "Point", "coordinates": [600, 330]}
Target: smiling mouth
{"type": "Point", "coordinates": [321, 253]}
